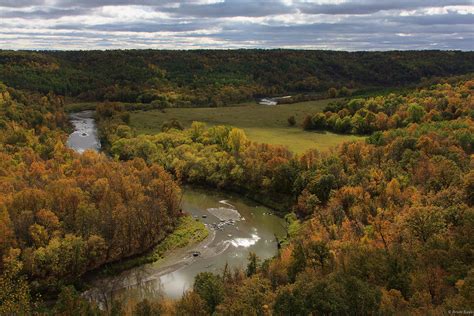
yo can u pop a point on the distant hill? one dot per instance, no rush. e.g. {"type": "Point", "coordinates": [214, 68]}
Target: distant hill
{"type": "Point", "coordinates": [218, 77]}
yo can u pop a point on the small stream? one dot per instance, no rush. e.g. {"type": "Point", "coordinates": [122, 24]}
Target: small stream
{"type": "Point", "coordinates": [236, 227]}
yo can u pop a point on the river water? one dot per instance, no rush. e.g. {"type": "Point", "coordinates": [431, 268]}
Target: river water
{"type": "Point", "coordinates": [84, 136]}
{"type": "Point", "coordinates": [236, 227]}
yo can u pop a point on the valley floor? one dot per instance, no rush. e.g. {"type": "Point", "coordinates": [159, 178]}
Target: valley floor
{"type": "Point", "coordinates": [261, 123]}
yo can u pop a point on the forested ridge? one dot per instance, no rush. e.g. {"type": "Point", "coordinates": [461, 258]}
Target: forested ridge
{"type": "Point", "coordinates": [218, 77]}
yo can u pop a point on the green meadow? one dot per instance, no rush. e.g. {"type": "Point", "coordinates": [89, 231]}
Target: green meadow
{"type": "Point", "coordinates": [261, 123]}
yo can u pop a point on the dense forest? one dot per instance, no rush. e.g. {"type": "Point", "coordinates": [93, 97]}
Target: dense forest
{"type": "Point", "coordinates": [63, 214]}
{"type": "Point", "coordinates": [218, 77]}
{"type": "Point", "coordinates": [376, 227]}
{"type": "Point", "coordinates": [383, 112]}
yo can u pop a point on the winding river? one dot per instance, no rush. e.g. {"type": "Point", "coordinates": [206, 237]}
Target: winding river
{"type": "Point", "coordinates": [236, 227]}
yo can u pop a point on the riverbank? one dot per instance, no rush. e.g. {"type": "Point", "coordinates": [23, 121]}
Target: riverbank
{"type": "Point", "coordinates": [187, 232]}
{"type": "Point", "coordinates": [254, 228]}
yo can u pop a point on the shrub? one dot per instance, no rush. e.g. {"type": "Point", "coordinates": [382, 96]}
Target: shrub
{"type": "Point", "coordinates": [291, 121]}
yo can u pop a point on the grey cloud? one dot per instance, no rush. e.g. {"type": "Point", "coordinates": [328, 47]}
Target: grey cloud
{"type": "Point", "coordinates": [137, 27]}
{"type": "Point", "coordinates": [21, 3]}
{"type": "Point", "coordinates": [360, 25]}
{"type": "Point", "coordinates": [230, 8]}
{"type": "Point", "coordinates": [373, 6]}
{"type": "Point", "coordinates": [436, 19]}
{"type": "Point", "coordinates": [43, 13]}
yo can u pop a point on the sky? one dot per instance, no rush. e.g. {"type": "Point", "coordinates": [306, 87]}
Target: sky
{"type": "Point", "coordinates": [227, 24]}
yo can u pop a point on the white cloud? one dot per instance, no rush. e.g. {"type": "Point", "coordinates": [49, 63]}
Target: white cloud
{"type": "Point", "coordinates": [348, 25]}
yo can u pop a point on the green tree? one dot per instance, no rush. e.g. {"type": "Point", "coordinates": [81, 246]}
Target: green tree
{"type": "Point", "coordinates": [70, 303]}
{"type": "Point", "coordinates": [237, 140]}
{"type": "Point", "coordinates": [319, 121]}
{"type": "Point", "coordinates": [424, 221]}
{"type": "Point", "coordinates": [286, 303]}
{"type": "Point", "coordinates": [318, 253]}
{"type": "Point", "coordinates": [298, 260]}
{"type": "Point", "coordinates": [345, 92]}
{"type": "Point", "coordinates": [322, 186]}
{"type": "Point", "coordinates": [333, 93]}
{"type": "Point", "coordinates": [469, 187]}
{"type": "Point", "coordinates": [415, 113]}
{"type": "Point", "coordinates": [253, 264]}
{"type": "Point", "coordinates": [343, 125]}
{"type": "Point", "coordinates": [210, 288]}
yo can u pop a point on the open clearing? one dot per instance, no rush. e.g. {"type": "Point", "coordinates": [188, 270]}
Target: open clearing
{"type": "Point", "coordinates": [262, 123]}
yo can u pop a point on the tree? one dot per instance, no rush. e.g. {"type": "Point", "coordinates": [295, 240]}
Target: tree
{"type": "Point", "coordinates": [424, 221]}
{"type": "Point", "coordinates": [39, 235]}
{"type": "Point", "coordinates": [148, 308]}
{"type": "Point", "coordinates": [307, 123]}
{"type": "Point", "coordinates": [15, 298]}
{"type": "Point", "coordinates": [318, 253]}
{"type": "Point", "coordinates": [333, 93]}
{"type": "Point", "coordinates": [355, 105]}
{"type": "Point", "coordinates": [415, 113]}
{"type": "Point", "coordinates": [7, 235]}
{"type": "Point", "coordinates": [70, 303]}
{"type": "Point", "coordinates": [291, 121]}
{"type": "Point", "coordinates": [210, 288]}
{"type": "Point", "coordinates": [298, 262]}
{"type": "Point", "coordinates": [286, 303]}
{"type": "Point", "coordinates": [359, 124]}
{"type": "Point", "coordinates": [322, 186]}
{"type": "Point", "coordinates": [343, 125]}
{"type": "Point", "coordinates": [360, 297]}
{"type": "Point", "coordinates": [251, 297]}
{"type": "Point", "coordinates": [197, 130]}
{"type": "Point", "coordinates": [319, 121]}
{"type": "Point", "coordinates": [320, 296]}
{"type": "Point", "coordinates": [191, 304]}
{"type": "Point", "coordinates": [237, 140]}
{"type": "Point", "coordinates": [469, 188]}
{"type": "Point", "coordinates": [172, 124]}
{"type": "Point", "coordinates": [253, 264]}
{"type": "Point", "coordinates": [345, 92]}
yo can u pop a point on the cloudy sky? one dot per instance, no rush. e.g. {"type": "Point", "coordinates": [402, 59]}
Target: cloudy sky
{"type": "Point", "coordinates": [190, 24]}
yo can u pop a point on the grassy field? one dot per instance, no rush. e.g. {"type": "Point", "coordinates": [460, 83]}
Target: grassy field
{"type": "Point", "coordinates": [265, 124]}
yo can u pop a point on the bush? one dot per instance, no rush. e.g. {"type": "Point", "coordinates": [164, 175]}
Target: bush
{"type": "Point", "coordinates": [307, 123]}
{"type": "Point", "coordinates": [173, 124]}
{"type": "Point", "coordinates": [319, 121]}
{"type": "Point", "coordinates": [332, 93]}
{"type": "Point", "coordinates": [291, 121]}
{"type": "Point", "coordinates": [345, 92]}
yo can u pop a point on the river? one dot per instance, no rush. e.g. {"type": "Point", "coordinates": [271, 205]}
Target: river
{"type": "Point", "coordinates": [236, 227]}
{"type": "Point", "coordinates": [84, 136]}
